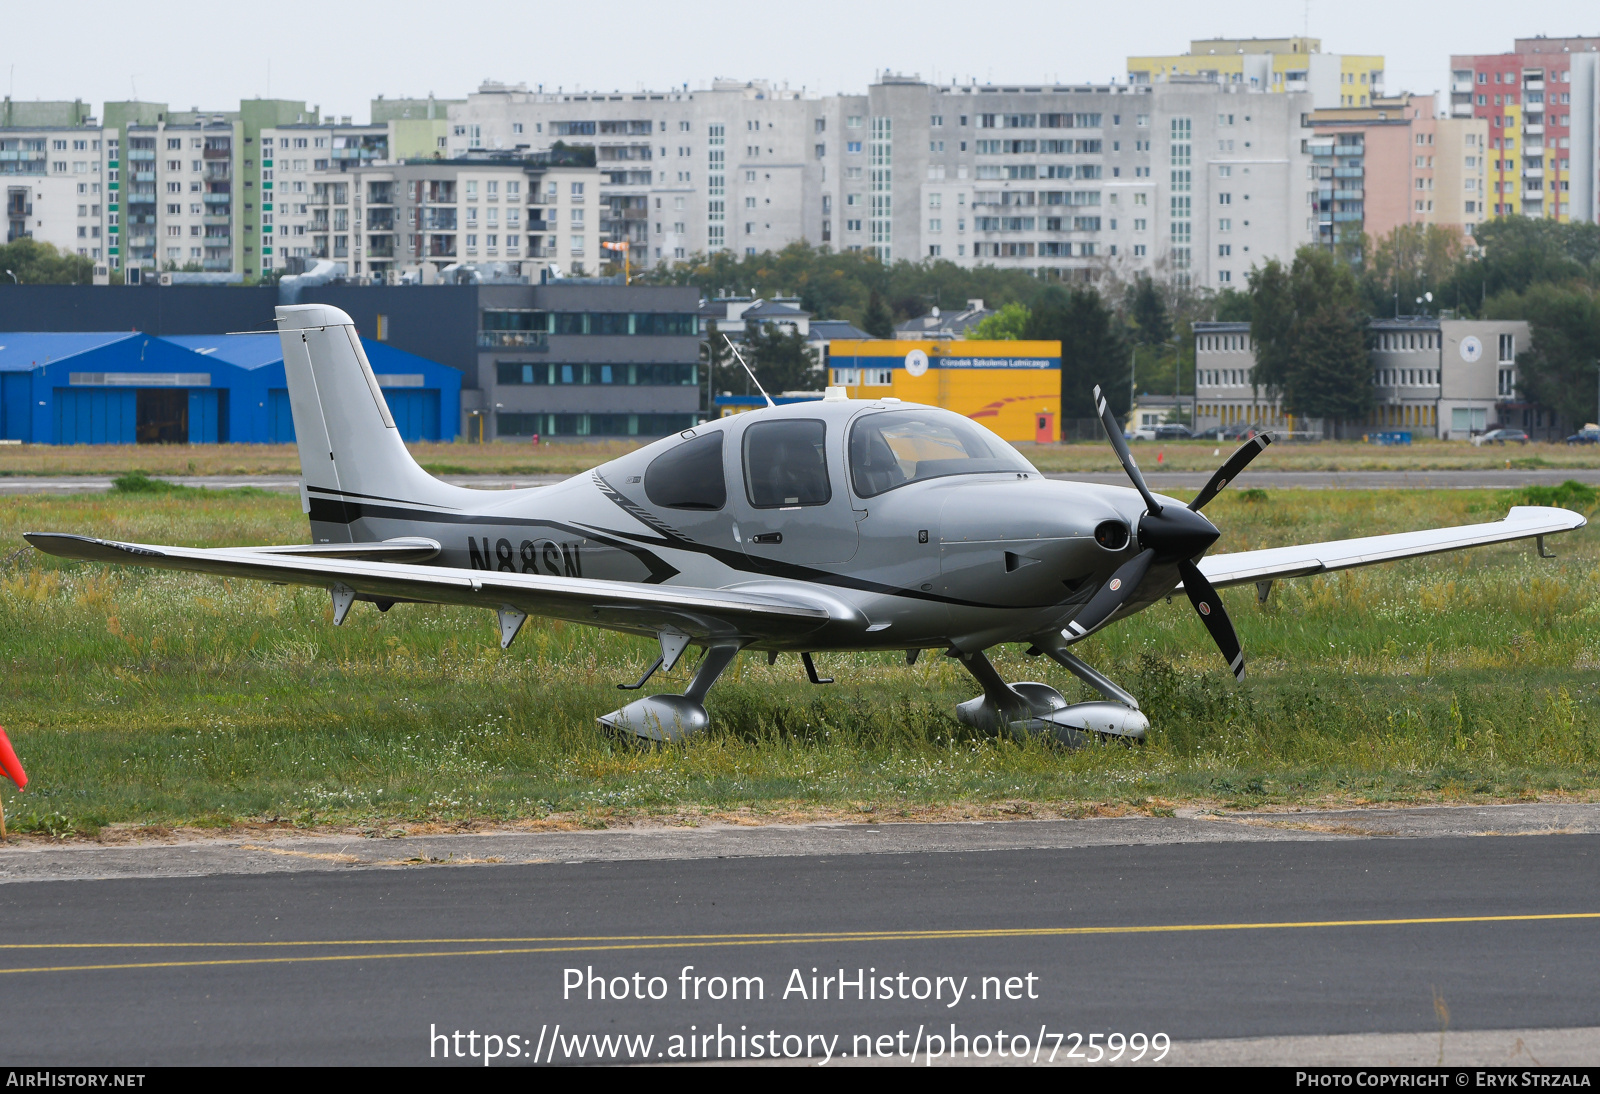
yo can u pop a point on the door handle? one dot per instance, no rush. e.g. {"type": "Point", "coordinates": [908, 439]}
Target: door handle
{"type": "Point", "coordinates": [767, 537]}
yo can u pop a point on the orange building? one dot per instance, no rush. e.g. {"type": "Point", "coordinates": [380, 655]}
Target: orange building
{"type": "Point", "coordinates": [1012, 387]}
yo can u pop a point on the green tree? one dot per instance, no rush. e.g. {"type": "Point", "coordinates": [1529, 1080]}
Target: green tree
{"type": "Point", "coordinates": [1005, 325]}
{"type": "Point", "coordinates": [1093, 350]}
{"type": "Point", "coordinates": [838, 285]}
{"type": "Point", "coordinates": [1513, 254]}
{"type": "Point", "coordinates": [1309, 330]}
{"type": "Point", "coordinates": [1558, 371]}
{"type": "Point", "coordinates": [1231, 306]}
{"type": "Point", "coordinates": [781, 361]}
{"type": "Point", "coordinates": [876, 320]}
{"type": "Point", "coordinates": [1409, 261]}
{"type": "Point", "coordinates": [36, 263]}
{"type": "Point", "coordinates": [1149, 311]}
{"type": "Point", "coordinates": [715, 361]}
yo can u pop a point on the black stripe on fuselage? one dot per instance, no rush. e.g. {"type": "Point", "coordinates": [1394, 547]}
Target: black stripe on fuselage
{"type": "Point", "coordinates": [327, 511]}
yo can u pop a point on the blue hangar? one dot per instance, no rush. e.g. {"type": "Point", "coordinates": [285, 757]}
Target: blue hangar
{"type": "Point", "coordinates": [126, 388]}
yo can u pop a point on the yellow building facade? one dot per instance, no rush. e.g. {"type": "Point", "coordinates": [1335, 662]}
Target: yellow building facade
{"type": "Point", "coordinates": [1270, 64]}
{"type": "Point", "coordinates": [1010, 387]}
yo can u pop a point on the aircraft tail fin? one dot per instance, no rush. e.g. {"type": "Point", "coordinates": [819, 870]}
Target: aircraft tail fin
{"type": "Point", "coordinates": [350, 450]}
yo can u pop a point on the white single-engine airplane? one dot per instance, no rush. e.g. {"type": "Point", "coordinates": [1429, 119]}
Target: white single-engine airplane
{"type": "Point", "coordinates": [838, 524]}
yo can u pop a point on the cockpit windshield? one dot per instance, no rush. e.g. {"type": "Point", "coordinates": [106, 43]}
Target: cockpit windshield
{"type": "Point", "coordinates": [900, 446]}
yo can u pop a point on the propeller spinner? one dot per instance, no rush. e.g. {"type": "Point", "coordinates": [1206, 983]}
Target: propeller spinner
{"type": "Point", "coordinates": [1170, 534]}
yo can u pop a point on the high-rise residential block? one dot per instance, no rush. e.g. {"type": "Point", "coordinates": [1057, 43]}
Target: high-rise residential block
{"type": "Point", "coordinates": [1193, 176]}
{"type": "Point", "coordinates": [1394, 162]}
{"type": "Point", "coordinates": [1541, 102]}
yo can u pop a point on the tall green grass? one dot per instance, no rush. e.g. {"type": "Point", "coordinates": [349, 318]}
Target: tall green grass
{"type": "Point", "coordinates": [153, 698]}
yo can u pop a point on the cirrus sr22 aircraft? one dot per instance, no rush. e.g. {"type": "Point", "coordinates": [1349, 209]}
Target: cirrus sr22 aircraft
{"type": "Point", "coordinates": [837, 524]}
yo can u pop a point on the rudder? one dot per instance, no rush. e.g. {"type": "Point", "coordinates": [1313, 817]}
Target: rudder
{"type": "Point", "coordinates": [349, 446]}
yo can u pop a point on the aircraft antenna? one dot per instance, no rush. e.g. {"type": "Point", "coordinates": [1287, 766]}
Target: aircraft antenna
{"type": "Point", "coordinates": [748, 370]}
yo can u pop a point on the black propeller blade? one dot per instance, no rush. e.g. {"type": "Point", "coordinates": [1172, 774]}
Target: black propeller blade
{"type": "Point", "coordinates": [1230, 470]}
{"type": "Point", "coordinates": [1114, 434]}
{"type": "Point", "coordinates": [1203, 595]}
{"type": "Point", "coordinates": [1112, 595]}
{"type": "Point", "coordinates": [1170, 535]}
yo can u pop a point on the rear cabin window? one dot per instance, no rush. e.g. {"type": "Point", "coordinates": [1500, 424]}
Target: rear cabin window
{"type": "Point", "coordinates": [890, 450]}
{"type": "Point", "coordinates": [689, 476]}
{"type": "Point", "coordinates": [785, 464]}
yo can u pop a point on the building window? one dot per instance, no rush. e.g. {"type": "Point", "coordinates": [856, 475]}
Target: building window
{"type": "Point", "coordinates": [1508, 348]}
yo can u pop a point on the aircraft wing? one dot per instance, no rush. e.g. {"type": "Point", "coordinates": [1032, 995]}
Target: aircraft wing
{"type": "Point", "coordinates": [617, 605]}
{"type": "Point", "coordinates": [1243, 567]}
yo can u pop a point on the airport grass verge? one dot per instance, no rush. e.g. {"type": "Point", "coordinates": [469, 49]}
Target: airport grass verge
{"type": "Point", "coordinates": [574, 456]}
{"type": "Point", "coordinates": [145, 700]}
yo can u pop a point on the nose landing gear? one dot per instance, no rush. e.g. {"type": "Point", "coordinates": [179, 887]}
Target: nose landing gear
{"type": "Point", "coordinates": [1029, 708]}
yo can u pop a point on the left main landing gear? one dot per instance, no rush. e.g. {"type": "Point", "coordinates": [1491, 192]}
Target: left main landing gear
{"type": "Point", "coordinates": [1027, 708]}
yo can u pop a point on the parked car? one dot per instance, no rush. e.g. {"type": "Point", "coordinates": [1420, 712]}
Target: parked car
{"type": "Point", "coordinates": [1173, 431]}
{"type": "Point", "coordinates": [1501, 436]}
{"type": "Point", "coordinates": [1239, 431]}
{"type": "Point", "coordinates": [1589, 434]}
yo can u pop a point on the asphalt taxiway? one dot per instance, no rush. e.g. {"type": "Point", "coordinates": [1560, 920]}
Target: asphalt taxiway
{"type": "Point", "coordinates": [1310, 937]}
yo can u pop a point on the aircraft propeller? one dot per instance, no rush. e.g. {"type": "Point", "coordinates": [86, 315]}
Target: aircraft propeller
{"type": "Point", "coordinates": [1170, 534]}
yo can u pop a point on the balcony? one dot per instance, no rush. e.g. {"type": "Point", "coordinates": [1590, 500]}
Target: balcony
{"type": "Point", "coordinates": [217, 264]}
{"type": "Point", "coordinates": [1533, 83]}
{"type": "Point", "coordinates": [211, 153]}
{"type": "Point", "coordinates": [141, 154]}
{"type": "Point", "coordinates": [1349, 195]}
{"type": "Point", "coordinates": [1460, 86]}
{"type": "Point", "coordinates": [380, 246]}
{"type": "Point", "coordinates": [532, 341]}
{"type": "Point", "coordinates": [1349, 172]}
{"type": "Point", "coordinates": [215, 215]}
{"type": "Point", "coordinates": [1533, 172]}
{"type": "Point", "coordinates": [1461, 110]}
{"type": "Point", "coordinates": [1533, 197]}
{"type": "Point", "coordinates": [1533, 129]}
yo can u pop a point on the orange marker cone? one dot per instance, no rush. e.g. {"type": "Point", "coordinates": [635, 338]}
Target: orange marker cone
{"type": "Point", "coordinates": [11, 767]}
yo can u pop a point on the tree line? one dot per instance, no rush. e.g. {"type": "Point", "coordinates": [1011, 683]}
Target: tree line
{"type": "Point", "coordinates": [1309, 315]}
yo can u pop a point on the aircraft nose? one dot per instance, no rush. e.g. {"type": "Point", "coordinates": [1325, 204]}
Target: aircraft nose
{"type": "Point", "coordinates": [1176, 532]}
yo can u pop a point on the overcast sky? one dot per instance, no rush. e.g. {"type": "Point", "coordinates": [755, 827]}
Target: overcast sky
{"type": "Point", "coordinates": [339, 53]}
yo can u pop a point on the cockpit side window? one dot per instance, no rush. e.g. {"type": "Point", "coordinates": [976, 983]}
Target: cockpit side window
{"type": "Point", "coordinates": [689, 476]}
{"type": "Point", "coordinates": [785, 464]}
{"type": "Point", "coordinates": [892, 449]}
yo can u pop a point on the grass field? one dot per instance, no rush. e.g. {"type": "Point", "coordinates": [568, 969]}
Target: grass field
{"type": "Point", "coordinates": [575, 457]}
{"type": "Point", "coordinates": [149, 700]}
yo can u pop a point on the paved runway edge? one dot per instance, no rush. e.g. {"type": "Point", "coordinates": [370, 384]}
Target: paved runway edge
{"type": "Point", "coordinates": [275, 853]}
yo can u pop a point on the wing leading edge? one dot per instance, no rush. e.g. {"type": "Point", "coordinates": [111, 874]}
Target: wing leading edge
{"type": "Point", "coordinates": [1522, 522]}
{"type": "Point", "coordinates": [617, 605]}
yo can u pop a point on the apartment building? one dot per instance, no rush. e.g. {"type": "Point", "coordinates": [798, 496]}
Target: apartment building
{"type": "Point", "coordinates": [416, 219]}
{"type": "Point", "coordinates": [55, 178]}
{"type": "Point", "coordinates": [1541, 102]}
{"type": "Point", "coordinates": [1200, 177]}
{"type": "Point", "coordinates": [294, 159]}
{"type": "Point", "coordinates": [1397, 161]}
{"type": "Point", "coordinates": [682, 172]}
{"type": "Point", "coordinates": [1271, 65]}
{"type": "Point", "coordinates": [1444, 378]}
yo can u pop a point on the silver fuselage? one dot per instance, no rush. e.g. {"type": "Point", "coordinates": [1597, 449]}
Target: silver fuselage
{"type": "Point", "coordinates": [965, 561]}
